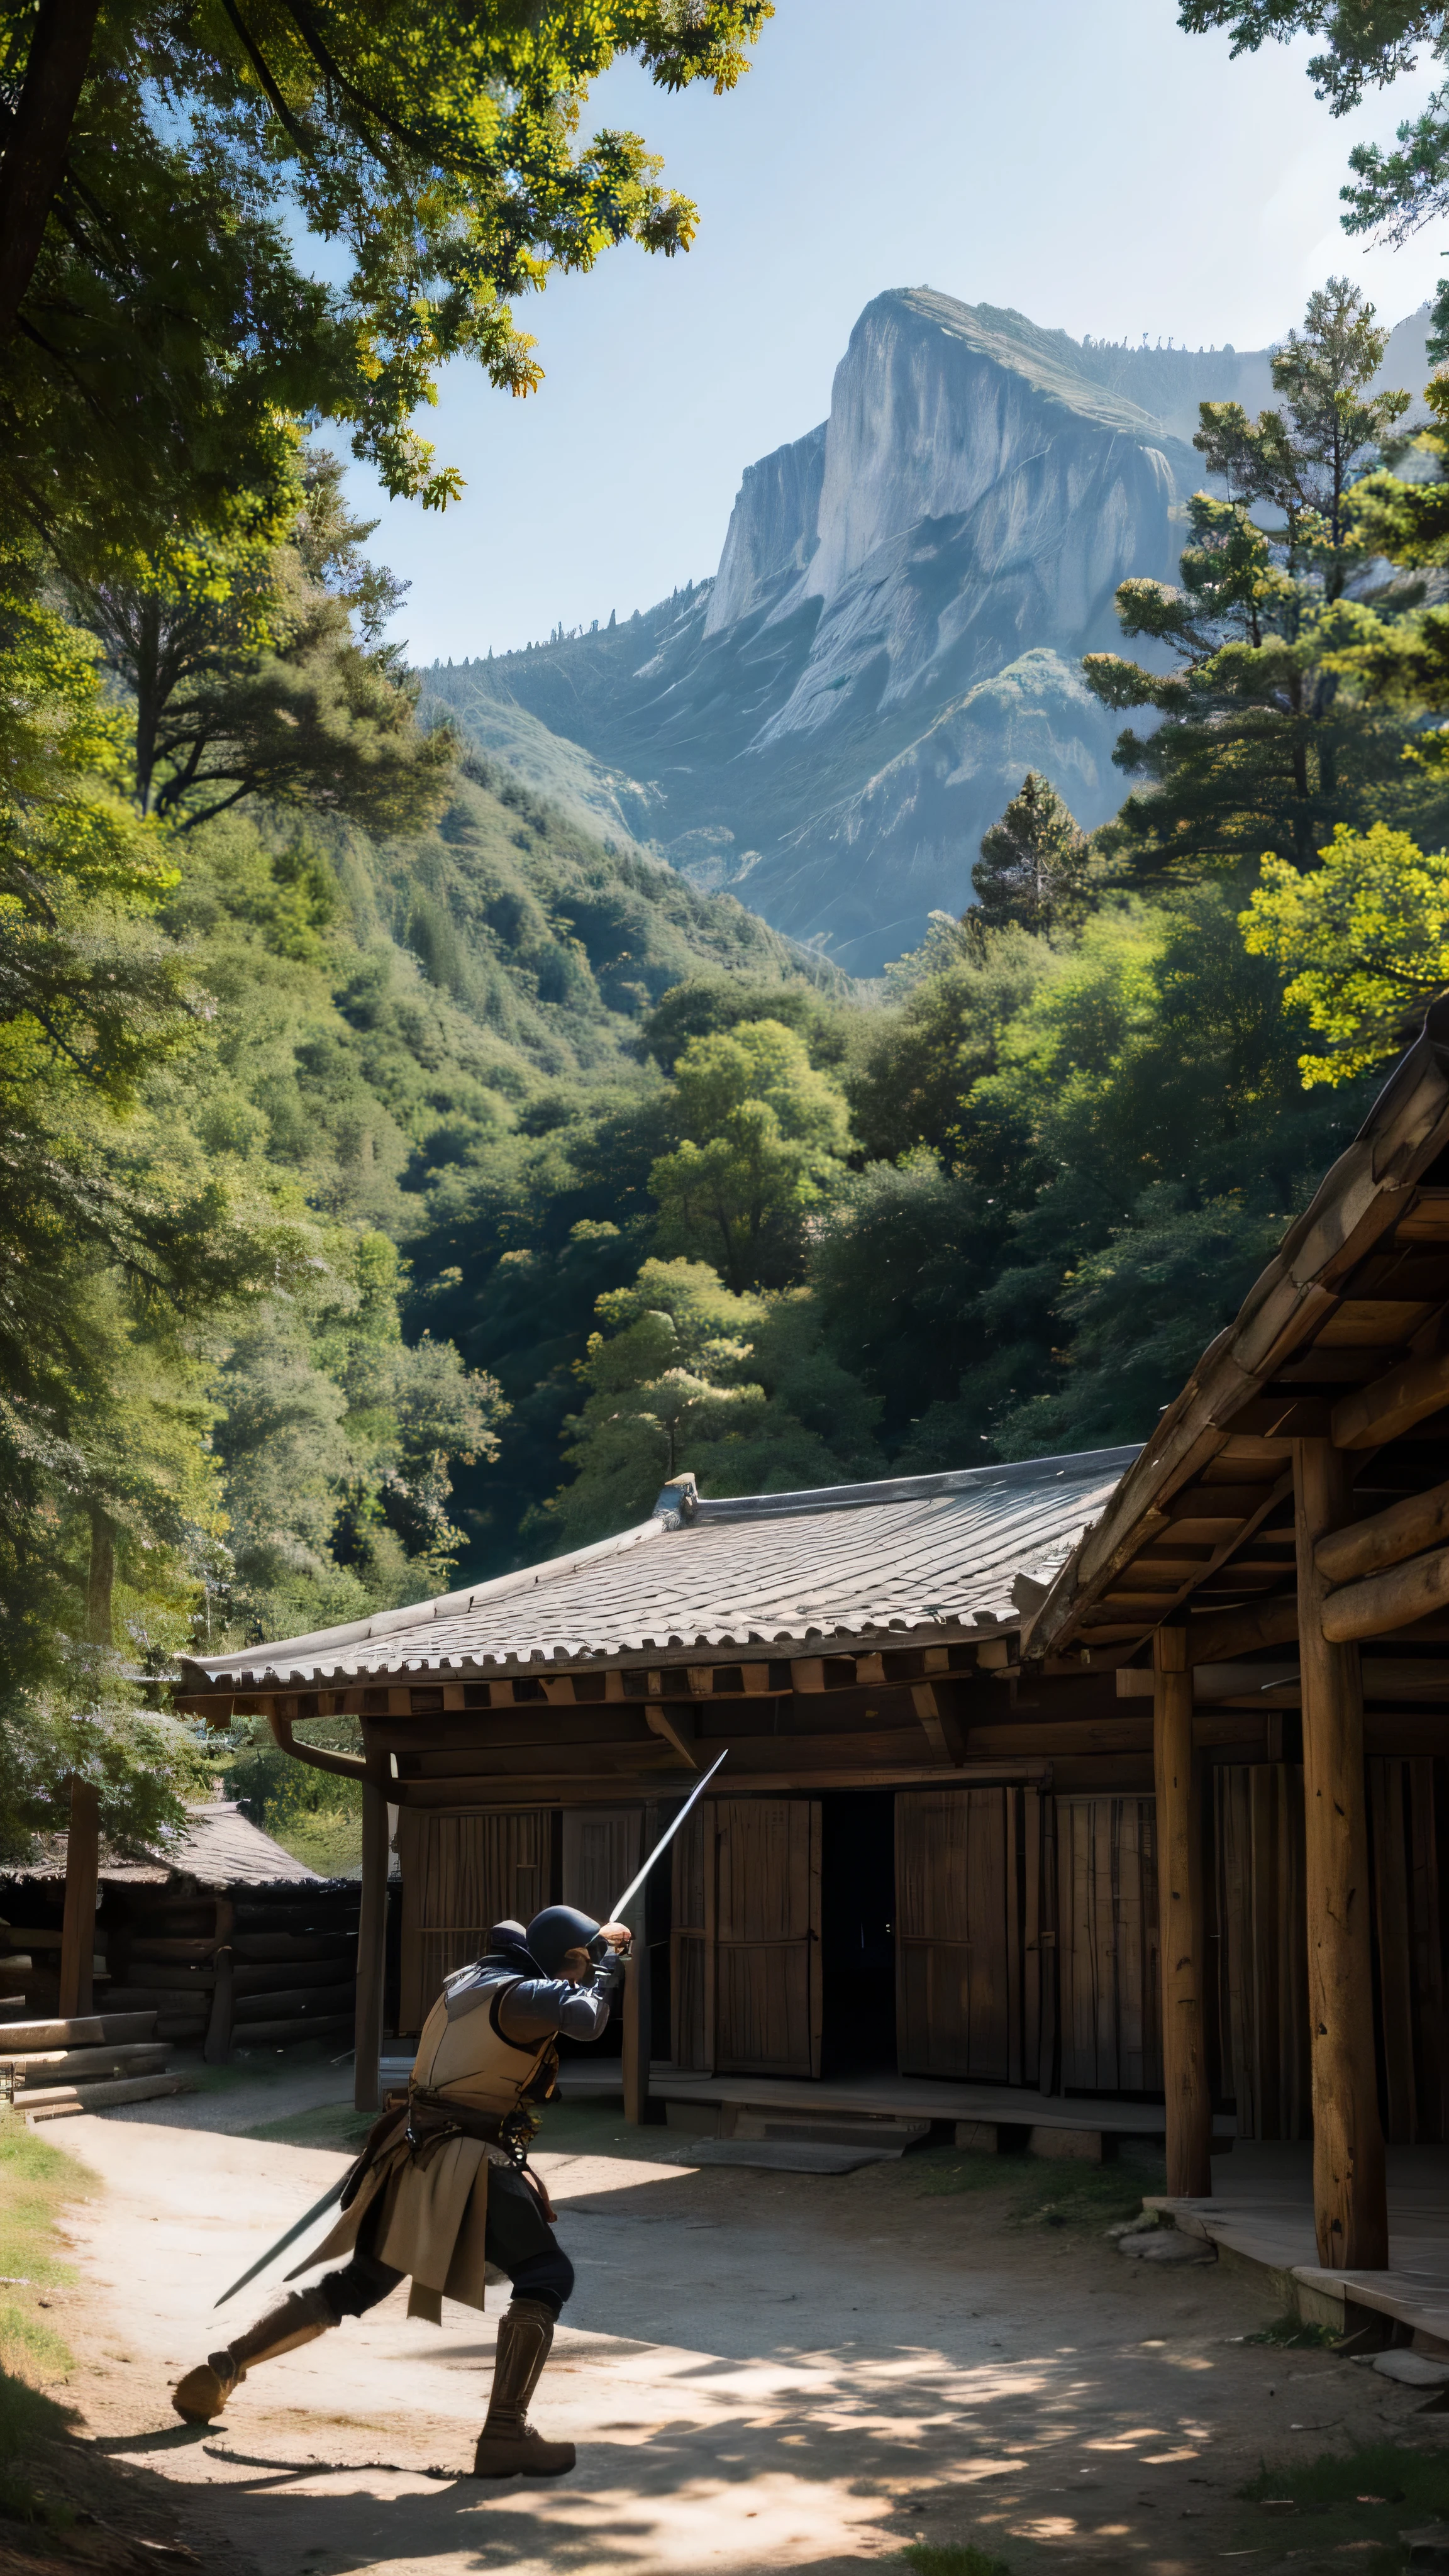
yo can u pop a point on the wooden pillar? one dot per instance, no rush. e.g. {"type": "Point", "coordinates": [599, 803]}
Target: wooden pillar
{"type": "Point", "coordinates": [638, 2018]}
{"type": "Point", "coordinates": [371, 1946]}
{"type": "Point", "coordinates": [1349, 2200]}
{"type": "Point", "coordinates": [1179, 1895]}
{"type": "Point", "coordinates": [82, 1876]}
{"type": "Point", "coordinates": [216, 2047]}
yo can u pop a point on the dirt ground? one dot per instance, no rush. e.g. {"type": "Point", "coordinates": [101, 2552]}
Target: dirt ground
{"type": "Point", "coordinates": [761, 2371]}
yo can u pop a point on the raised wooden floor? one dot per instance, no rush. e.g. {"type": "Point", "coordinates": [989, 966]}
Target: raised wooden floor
{"type": "Point", "coordinates": [1261, 2212]}
{"type": "Point", "coordinates": [884, 2096]}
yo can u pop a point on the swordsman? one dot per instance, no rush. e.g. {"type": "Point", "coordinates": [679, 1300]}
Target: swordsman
{"type": "Point", "coordinates": [443, 2187]}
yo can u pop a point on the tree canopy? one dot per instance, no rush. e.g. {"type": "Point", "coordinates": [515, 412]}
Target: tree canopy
{"type": "Point", "coordinates": [163, 168]}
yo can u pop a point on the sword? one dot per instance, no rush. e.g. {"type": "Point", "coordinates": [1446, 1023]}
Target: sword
{"type": "Point", "coordinates": [665, 1839]}
{"type": "Point", "coordinates": [282, 2243]}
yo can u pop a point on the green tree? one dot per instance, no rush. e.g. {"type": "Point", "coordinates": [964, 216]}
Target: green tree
{"type": "Point", "coordinates": [247, 677]}
{"type": "Point", "coordinates": [159, 163]}
{"type": "Point", "coordinates": [1033, 863]}
{"type": "Point", "coordinates": [762, 1135]}
{"type": "Point", "coordinates": [1262, 745]}
{"type": "Point", "coordinates": [736, 1387]}
{"type": "Point", "coordinates": [1305, 458]}
{"type": "Point", "coordinates": [1363, 944]}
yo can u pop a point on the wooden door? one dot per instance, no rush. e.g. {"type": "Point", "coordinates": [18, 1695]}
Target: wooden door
{"type": "Point", "coordinates": [1107, 1945]}
{"type": "Point", "coordinates": [968, 1947]}
{"type": "Point", "coordinates": [462, 1874]}
{"type": "Point", "coordinates": [691, 1944]}
{"type": "Point", "coordinates": [767, 1936]}
{"type": "Point", "coordinates": [1262, 1947]}
{"type": "Point", "coordinates": [601, 1851]}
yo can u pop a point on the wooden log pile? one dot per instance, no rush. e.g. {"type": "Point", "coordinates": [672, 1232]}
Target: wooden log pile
{"type": "Point", "coordinates": [85, 2063]}
{"type": "Point", "coordinates": [248, 1967]}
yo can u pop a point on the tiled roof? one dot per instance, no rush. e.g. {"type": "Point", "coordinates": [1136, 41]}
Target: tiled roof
{"type": "Point", "coordinates": [868, 1563]}
{"type": "Point", "coordinates": [220, 1847]}
{"type": "Point", "coordinates": [217, 1846]}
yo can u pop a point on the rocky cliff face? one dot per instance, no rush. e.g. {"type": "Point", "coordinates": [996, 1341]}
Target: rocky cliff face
{"type": "Point", "coordinates": [895, 630]}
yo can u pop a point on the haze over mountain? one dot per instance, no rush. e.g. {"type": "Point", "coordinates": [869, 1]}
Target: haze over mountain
{"type": "Point", "coordinates": [893, 634]}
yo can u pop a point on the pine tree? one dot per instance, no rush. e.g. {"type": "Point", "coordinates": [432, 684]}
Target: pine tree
{"type": "Point", "coordinates": [1263, 747]}
{"type": "Point", "coordinates": [1033, 863]}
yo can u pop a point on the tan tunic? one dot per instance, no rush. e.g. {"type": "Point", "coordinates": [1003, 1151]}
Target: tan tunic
{"type": "Point", "coordinates": [432, 2202]}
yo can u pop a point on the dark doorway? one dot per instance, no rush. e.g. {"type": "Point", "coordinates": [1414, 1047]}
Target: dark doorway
{"type": "Point", "coordinates": [857, 1931]}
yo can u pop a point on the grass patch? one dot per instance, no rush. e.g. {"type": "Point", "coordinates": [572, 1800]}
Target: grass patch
{"type": "Point", "coordinates": [953, 2558]}
{"type": "Point", "coordinates": [1372, 2494]}
{"type": "Point", "coordinates": [1289, 2333]}
{"type": "Point", "coordinates": [36, 2180]}
{"type": "Point", "coordinates": [1047, 2191]}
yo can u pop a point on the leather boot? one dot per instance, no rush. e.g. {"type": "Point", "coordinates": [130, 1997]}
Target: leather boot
{"type": "Point", "coordinates": [508, 2446]}
{"type": "Point", "coordinates": [204, 2391]}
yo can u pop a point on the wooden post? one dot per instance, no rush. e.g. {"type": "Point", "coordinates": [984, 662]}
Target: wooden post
{"type": "Point", "coordinates": [216, 2047]}
{"type": "Point", "coordinates": [1349, 2199]}
{"type": "Point", "coordinates": [1180, 1914]}
{"type": "Point", "coordinates": [82, 1876]}
{"type": "Point", "coordinates": [371, 1947]}
{"type": "Point", "coordinates": [637, 2023]}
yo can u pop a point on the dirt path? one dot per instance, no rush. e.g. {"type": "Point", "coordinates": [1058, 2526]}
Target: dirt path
{"type": "Point", "coordinates": [761, 2371]}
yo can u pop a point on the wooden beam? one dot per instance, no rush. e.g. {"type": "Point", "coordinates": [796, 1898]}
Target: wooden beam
{"type": "Point", "coordinates": [1180, 1909]}
{"type": "Point", "coordinates": [1366, 1547]}
{"type": "Point", "coordinates": [1221, 1636]}
{"type": "Point", "coordinates": [371, 1944]}
{"type": "Point", "coordinates": [1384, 1603]}
{"type": "Point", "coordinates": [939, 1725]}
{"type": "Point", "coordinates": [82, 1876]}
{"type": "Point", "coordinates": [678, 1728]}
{"type": "Point", "coordinates": [1349, 2197]}
{"type": "Point", "coordinates": [1392, 1404]}
{"type": "Point", "coordinates": [497, 1797]}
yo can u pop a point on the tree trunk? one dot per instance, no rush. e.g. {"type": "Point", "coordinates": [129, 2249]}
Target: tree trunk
{"type": "Point", "coordinates": [100, 1579]}
{"type": "Point", "coordinates": [60, 53]}
{"type": "Point", "coordinates": [148, 708]}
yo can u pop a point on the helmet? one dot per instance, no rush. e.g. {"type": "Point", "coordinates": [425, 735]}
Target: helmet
{"type": "Point", "coordinates": [507, 1935]}
{"type": "Point", "coordinates": [558, 1929]}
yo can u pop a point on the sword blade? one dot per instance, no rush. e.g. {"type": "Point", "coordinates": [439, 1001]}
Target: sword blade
{"type": "Point", "coordinates": [665, 1839]}
{"type": "Point", "coordinates": [282, 2243]}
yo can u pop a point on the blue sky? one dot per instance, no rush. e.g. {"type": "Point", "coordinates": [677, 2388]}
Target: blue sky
{"type": "Point", "coordinates": [1082, 160]}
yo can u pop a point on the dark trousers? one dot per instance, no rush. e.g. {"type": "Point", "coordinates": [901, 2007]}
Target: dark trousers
{"type": "Point", "coordinates": [518, 2239]}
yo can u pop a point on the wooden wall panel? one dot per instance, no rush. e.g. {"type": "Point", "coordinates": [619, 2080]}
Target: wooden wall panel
{"type": "Point", "coordinates": [602, 1848]}
{"type": "Point", "coordinates": [1408, 1951]}
{"type": "Point", "coordinates": [691, 1945]}
{"type": "Point", "coordinates": [968, 1951]}
{"type": "Point", "coordinates": [461, 1874]}
{"type": "Point", "coordinates": [767, 1936]}
{"type": "Point", "coordinates": [1261, 1923]}
{"type": "Point", "coordinates": [1107, 1945]}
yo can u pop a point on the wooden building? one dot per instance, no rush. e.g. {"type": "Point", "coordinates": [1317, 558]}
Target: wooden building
{"type": "Point", "coordinates": [854, 1650]}
{"type": "Point", "coordinates": [216, 1931]}
{"type": "Point", "coordinates": [1117, 1774]}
